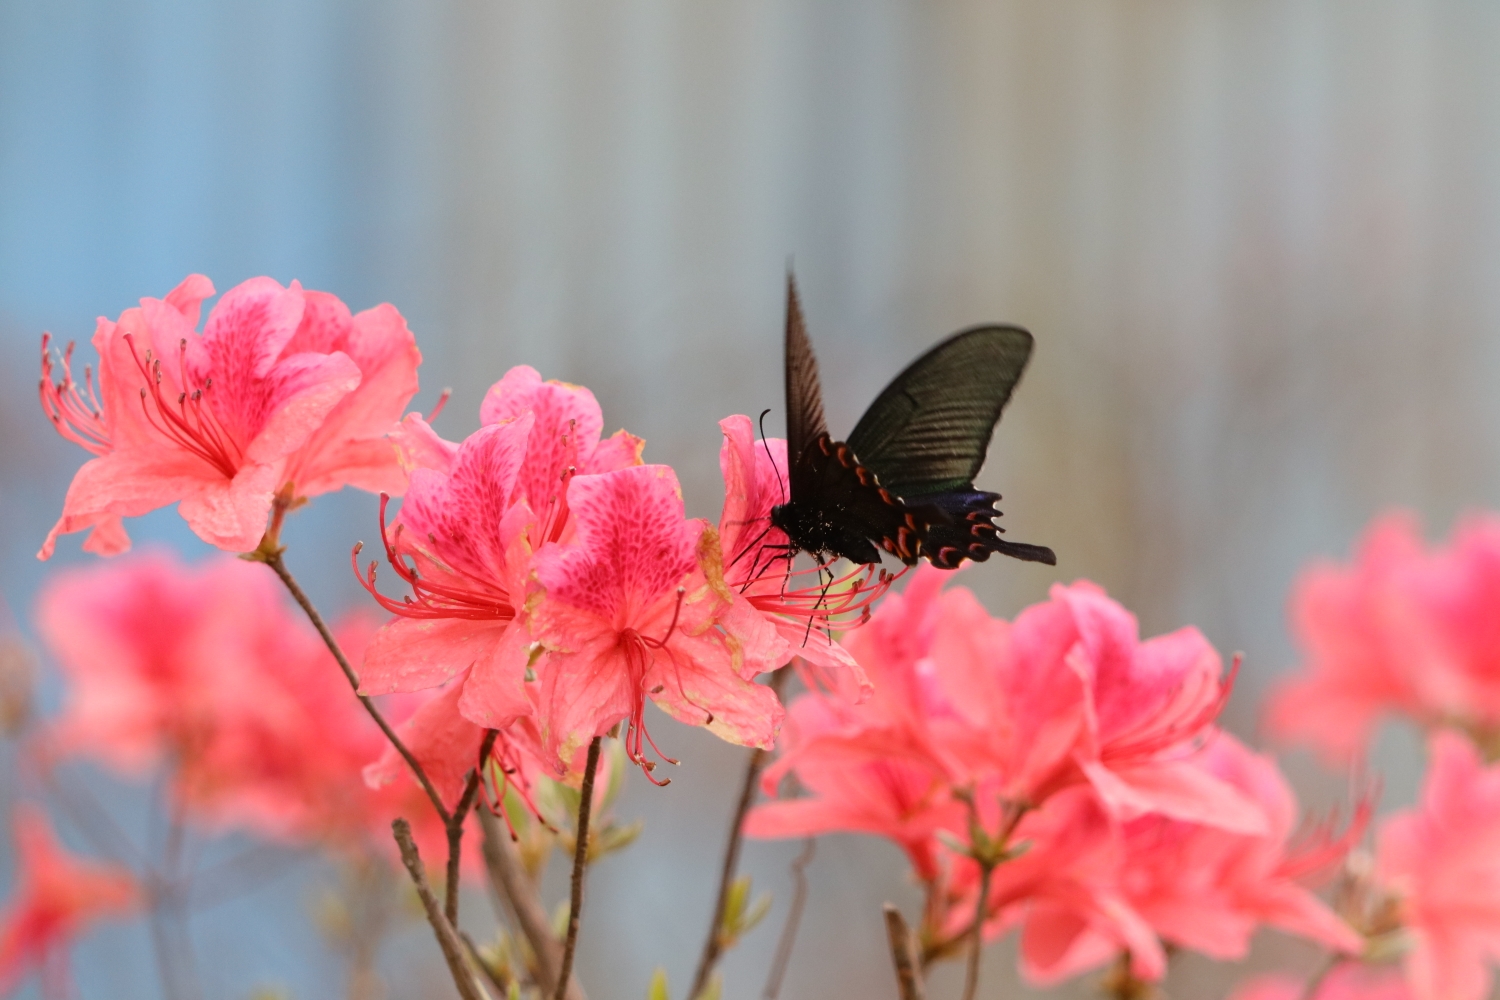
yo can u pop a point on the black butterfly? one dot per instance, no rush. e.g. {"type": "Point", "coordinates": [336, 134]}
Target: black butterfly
{"type": "Point", "coordinates": [905, 478]}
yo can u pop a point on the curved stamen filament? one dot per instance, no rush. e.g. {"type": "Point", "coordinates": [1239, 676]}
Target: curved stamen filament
{"type": "Point", "coordinates": [429, 599]}
{"type": "Point", "coordinates": [77, 416]}
{"type": "Point", "coordinates": [191, 423]}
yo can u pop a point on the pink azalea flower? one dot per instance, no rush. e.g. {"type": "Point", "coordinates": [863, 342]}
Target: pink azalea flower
{"type": "Point", "coordinates": [1065, 892]}
{"type": "Point", "coordinates": [1347, 981]}
{"type": "Point", "coordinates": [1148, 704]}
{"type": "Point", "coordinates": [1442, 860]}
{"type": "Point", "coordinates": [629, 613]}
{"type": "Point", "coordinates": [1019, 711]}
{"type": "Point", "coordinates": [1198, 887]}
{"type": "Point", "coordinates": [856, 789]}
{"type": "Point", "coordinates": [269, 394]}
{"type": "Point", "coordinates": [473, 515]}
{"type": "Point", "coordinates": [1403, 630]}
{"type": "Point", "coordinates": [55, 899]}
{"type": "Point", "coordinates": [758, 566]}
{"type": "Point", "coordinates": [208, 671]}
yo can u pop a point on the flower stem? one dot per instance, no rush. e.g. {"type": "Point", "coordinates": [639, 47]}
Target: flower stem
{"type": "Point", "coordinates": [448, 940]}
{"type": "Point", "coordinates": [793, 921]}
{"type": "Point", "coordinates": [270, 553]}
{"type": "Point", "coordinates": [524, 906]}
{"type": "Point", "coordinates": [714, 946]}
{"type": "Point", "coordinates": [580, 862]}
{"type": "Point", "coordinates": [908, 974]}
{"type": "Point", "coordinates": [976, 943]}
{"type": "Point", "coordinates": [455, 826]}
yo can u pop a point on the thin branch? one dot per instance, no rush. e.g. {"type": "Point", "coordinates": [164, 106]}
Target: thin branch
{"type": "Point", "coordinates": [713, 947]}
{"type": "Point", "coordinates": [908, 975]}
{"type": "Point", "coordinates": [270, 554]}
{"type": "Point", "coordinates": [455, 825]}
{"type": "Point", "coordinates": [793, 920]}
{"type": "Point", "coordinates": [514, 888]}
{"type": "Point", "coordinates": [469, 987]}
{"type": "Point", "coordinates": [976, 932]}
{"type": "Point", "coordinates": [580, 863]}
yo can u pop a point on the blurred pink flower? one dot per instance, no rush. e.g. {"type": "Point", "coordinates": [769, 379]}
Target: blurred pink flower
{"type": "Point", "coordinates": [1197, 887]}
{"type": "Point", "coordinates": [271, 393]}
{"type": "Point", "coordinates": [1148, 705]}
{"type": "Point", "coordinates": [1346, 981]}
{"type": "Point", "coordinates": [1098, 743]}
{"type": "Point", "coordinates": [628, 612]}
{"type": "Point", "coordinates": [1441, 859]}
{"type": "Point", "coordinates": [55, 898]}
{"type": "Point", "coordinates": [855, 786]}
{"type": "Point", "coordinates": [207, 671]}
{"type": "Point", "coordinates": [1403, 630]}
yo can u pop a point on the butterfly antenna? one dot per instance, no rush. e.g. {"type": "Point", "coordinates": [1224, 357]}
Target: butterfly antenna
{"type": "Point", "coordinates": [779, 484]}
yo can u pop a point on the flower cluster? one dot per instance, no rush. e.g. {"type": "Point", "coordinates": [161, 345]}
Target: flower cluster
{"type": "Point", "coordinates": [283, 389]}
{"type": "Point", "coordinates": [556, 582]}
{"type": "Point", "coordinates": [1412, 633]}
{"type": "Point", "coordinates": [1071, 768]}
{"type": "Point", "coordinates": [1054, 774]}
{"type": "Point", "coordinates": [205, 671]}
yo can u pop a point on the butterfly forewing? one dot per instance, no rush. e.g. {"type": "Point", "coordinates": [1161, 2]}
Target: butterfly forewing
{"type": "Point", "coordinates": [804, 396]}
{"type": "Point", "coordinates": [929, 430]}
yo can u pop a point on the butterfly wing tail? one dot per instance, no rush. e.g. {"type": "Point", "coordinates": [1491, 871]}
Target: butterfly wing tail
{"type": "Point", "coordinates": [969, 531]}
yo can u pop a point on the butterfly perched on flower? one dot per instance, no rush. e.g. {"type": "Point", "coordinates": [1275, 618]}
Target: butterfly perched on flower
{"type": "Point", "coordinates": [904, 480]}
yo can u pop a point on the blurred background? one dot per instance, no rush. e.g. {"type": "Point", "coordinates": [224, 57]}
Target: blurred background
{"type": "Point", "coordinates": [1258, 244]}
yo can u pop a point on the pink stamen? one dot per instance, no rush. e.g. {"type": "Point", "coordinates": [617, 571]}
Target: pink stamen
{"type": "Point", "coordinates": [77, 416]}
{"type": "Point", "coordinates": [430, 599]}
{"type": "Point", "coordinates": [192, 424]}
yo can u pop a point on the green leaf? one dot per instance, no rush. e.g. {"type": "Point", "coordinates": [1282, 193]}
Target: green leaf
{"type": "Point", "coordinates": [756, 913]}
{"type": "Point", "coordinates": [658, 988]}
{"type": "Point", "coordinates": [613, 837]}
{"type": "Point", "coordinates": [560, 919]}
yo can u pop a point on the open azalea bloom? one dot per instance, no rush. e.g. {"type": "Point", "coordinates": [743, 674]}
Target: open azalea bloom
{"type": "Point", "coordinates": [1404, 630]}
{"type": "Point", "coordinates": [206, 671]}
{"type": "Point", "coordinates": [283, 387]}
{"type": "Point", "coordinates": [1442, 862]}
{"type": "Point", "coordinates": [55, 898]}
{"type": "Point", "coordinates": [629, 611]}
{"type": "Point", "coordinates": [474, 514]}
{"type": "Point", "coordinates": [1195, 886]}
{"type": "Point", "coordinates": [803, 605]}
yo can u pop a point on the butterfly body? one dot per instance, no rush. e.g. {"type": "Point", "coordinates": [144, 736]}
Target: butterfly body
{"type": "Point", "coordinates": [904, 481]}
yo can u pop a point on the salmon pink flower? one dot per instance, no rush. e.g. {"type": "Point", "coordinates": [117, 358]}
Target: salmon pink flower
{"type": "Point", "coordinates": [851, 787]}
{"type": "Point", "coordinates": [1064, 891]}
{"type": "Point", "coordinates": [1149, 704]}
{"type": "Point", "coordinates": [1197, 887]}
{"type": "Point", "coordinates": [207, 671]}
{"type": "Point", "coordinates": [1442, 861]}
{"type": "Point", "coordinates": [628, 612]}
{"type": "Point", "coordinates": [461, 544]}
{"type": "Point", "coordinates": [473, 515]}
{"type": "Point", "coordinates": [269, 394]}
{"type": "Point", "coordinates": [56, 897]}
{"type": "Point", "coordinates": [1402, 631]}
{"type": "Point", "coordinates": [758, 564]}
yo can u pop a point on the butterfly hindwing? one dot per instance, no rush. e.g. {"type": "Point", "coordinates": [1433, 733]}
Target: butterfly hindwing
{"type": "Point", "coordinates": [928, 431]}
{"type": "Point", "coordinates": [905, 479]}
